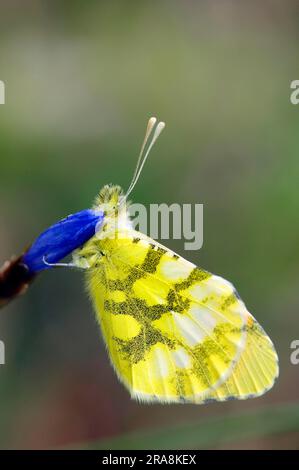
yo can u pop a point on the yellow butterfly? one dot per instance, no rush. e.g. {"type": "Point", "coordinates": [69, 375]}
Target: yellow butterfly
{"type": "Point", "coordinates": [174, 332]}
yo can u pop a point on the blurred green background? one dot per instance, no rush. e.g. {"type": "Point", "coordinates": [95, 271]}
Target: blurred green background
{"type": "Point", "coordinates": [82, 78]}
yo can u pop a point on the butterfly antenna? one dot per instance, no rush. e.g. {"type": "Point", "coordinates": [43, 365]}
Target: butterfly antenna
{"type": "Point", "coordinates": [144, 154]}
{"type": "Point", "coordinates": [150, 125]}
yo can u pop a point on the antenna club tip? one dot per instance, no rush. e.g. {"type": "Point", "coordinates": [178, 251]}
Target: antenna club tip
{"type": "Point", "coordinates": [152, 120]}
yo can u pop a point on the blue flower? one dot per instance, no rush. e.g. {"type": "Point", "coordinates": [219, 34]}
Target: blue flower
{"type": "Point", "coordinates": [61, 239]}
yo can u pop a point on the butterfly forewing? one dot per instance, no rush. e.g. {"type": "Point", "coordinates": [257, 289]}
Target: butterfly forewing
{"type": "Point", "coordinates": [175, 332]}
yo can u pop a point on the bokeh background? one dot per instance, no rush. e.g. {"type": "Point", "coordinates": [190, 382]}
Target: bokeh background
{"type": "Point", "coordinates": [82, 78]}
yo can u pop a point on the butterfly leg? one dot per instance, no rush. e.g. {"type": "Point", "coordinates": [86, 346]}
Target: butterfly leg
{"type": "Point", "coordinates": [59, 265]}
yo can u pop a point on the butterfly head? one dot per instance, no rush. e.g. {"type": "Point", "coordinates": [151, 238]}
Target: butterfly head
{"type": "Point", "coordinates": [110, 200]}
{"type": "Point", "coordinates": [110, 194]}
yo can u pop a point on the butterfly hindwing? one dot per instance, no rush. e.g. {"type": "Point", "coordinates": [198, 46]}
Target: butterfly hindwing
{"type": "Point", "coordinates": [174, 332]}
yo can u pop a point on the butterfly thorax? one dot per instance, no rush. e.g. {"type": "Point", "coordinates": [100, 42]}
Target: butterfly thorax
{"type": "Point", "coordinates": [112, 203]}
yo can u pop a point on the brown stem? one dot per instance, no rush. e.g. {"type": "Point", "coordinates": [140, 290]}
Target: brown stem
{"type": "Point", "coordinates": [14, 280]}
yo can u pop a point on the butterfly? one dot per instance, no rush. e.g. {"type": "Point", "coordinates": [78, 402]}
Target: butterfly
{"type": "Point", "coordinates": [175, 333]}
